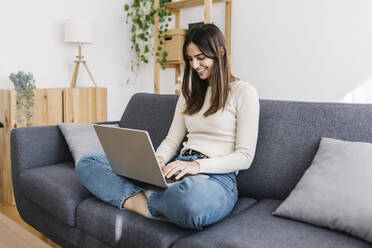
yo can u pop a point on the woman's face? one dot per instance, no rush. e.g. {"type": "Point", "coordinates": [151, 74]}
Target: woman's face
{"type": "Point", "coordinates": [198, 61]}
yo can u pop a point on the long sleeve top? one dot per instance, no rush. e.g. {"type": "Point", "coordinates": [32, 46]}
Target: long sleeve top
{"type": "Point", "coordinates": [228, 137]}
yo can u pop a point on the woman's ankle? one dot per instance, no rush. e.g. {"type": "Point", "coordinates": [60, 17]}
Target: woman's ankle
{"type": "Point", "coordinates": [137, 204]}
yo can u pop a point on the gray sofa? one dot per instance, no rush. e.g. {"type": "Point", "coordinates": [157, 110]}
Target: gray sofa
{"type": "Point", "coordinates": [50, 197]}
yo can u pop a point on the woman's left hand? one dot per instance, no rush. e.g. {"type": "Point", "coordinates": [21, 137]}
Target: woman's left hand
{"type": "Point", "coordinates": [183, 167]}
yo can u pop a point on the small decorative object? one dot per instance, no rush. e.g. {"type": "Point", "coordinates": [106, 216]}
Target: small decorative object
{"type": "Point", "coordinates": [141, 14]}
{"type": "Point", "coordinates": [79, 32]}
{"type": "Point", "coordinates": [195, 24]}
{"type": "Point", "coordinates": [24, 84]}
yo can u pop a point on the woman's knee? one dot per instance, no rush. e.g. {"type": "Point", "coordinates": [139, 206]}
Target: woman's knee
{"type": "Point", "coordinates": [196, 215]}
{"type": "Point", "coordinates": [195, 205]}
{"type": "Point", "coordinates": [92, 159]}
{"type": "Point", "coordinates": [91, 162]}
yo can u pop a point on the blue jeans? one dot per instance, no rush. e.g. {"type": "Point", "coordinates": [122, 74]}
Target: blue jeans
{"type": "Point", "coordinates": [192, 202]}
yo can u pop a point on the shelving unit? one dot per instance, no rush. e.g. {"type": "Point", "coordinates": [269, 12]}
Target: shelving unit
{"type": "Point", "coordinates": [175, 8]}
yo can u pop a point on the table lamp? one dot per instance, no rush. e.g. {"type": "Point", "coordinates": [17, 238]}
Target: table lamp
{"type": "Point", "coordinates": [79, 32]}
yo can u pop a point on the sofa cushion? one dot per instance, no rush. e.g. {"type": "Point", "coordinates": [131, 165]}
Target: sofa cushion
{"type": "Point", "coordinates": [121, 228]}
{"type": "Point", "coordinates": [55, 189]}
{"type": "Point", "coordinates": [335, 191]}
{"type": "Point", "coordinates": [81, 139]}
{"type": "Point", "coordinates": [289, 135]}
{"type": "Point", "coordinates": [242, 205]}
{"type": "Point", "coordinates": [257, 227]}
{"type": "Point", "coordinates": [118, 227]}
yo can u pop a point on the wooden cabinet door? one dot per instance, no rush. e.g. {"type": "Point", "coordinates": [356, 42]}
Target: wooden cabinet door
{"type": "Point", "coordinates": [85, 105]}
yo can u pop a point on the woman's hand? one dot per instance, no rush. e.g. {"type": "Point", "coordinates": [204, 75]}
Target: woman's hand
{"type": "Point", "coordinates": [161, 161]}
{"type": "Point", "coordinates": [183, 167]}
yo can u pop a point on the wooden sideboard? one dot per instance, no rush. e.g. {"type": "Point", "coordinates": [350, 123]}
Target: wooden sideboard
{"type": "Point", "coordinates": [52, 106]}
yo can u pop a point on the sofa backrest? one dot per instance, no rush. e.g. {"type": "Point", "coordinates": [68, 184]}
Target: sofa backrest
{"type": "Point", "coordinates": [289, 135]}
{"type": "Point", "coordinates": [150, 112]}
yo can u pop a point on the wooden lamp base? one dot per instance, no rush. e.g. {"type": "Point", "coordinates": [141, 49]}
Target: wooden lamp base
{"type": "Point", "coordinates": [80, 60]}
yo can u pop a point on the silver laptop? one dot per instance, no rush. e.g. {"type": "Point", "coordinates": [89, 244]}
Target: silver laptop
{"type": "Point", "coordinates": [131, 154]}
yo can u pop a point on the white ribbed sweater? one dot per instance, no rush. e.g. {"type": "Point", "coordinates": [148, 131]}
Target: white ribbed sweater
{"type": "Point", "coordinates": [228, 137]}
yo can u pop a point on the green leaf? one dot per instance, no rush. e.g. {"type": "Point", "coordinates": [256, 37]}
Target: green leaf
{"type": "Point", "coordinates": [147, 49]}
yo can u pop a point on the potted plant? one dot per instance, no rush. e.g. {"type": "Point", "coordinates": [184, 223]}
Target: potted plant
{"type": "Point", "coordinates": [140, 14]}
{"type": "Point", "coordinates": [24, 84]}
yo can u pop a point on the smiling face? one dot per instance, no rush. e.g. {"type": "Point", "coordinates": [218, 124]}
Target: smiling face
{"type": "Point", "coordinates": [198, 61]}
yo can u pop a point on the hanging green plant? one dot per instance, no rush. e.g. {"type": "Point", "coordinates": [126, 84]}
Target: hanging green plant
{"type": "Point", "coordinates": [24, 84]}
{"type": "Point", "coordinates": [140, 14]}
{"type": "Point", "coordinates": [164, 18]}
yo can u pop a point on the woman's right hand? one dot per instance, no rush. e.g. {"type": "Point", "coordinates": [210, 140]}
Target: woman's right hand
{"type": "Point", "coordinates": [161, 161]}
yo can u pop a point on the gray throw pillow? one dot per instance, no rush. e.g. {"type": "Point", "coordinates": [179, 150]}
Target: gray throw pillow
{"type": "Point", "coordinates": [81, 139]}
{"type": "Point", "coordinates": [336, 190]}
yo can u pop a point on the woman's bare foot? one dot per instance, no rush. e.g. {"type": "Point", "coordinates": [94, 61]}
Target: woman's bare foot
{"type": "Point", "coordinates": [137, 204]}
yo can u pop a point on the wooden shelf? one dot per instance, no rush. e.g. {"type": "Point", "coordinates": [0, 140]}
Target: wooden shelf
{"type": "Point", "coordinates": [175, 63]}
{"type": "Point", "coordinates": [189, 3]}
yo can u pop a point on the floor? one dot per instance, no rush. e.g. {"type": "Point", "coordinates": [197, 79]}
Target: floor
{"type": "Point", "coordinates": [12, 213]}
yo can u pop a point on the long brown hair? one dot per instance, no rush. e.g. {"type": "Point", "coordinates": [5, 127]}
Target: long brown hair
{"type": "Point", "coordinates": [211, 43]}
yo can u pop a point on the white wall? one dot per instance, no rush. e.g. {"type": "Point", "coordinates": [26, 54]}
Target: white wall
{"type": "Point", "coordinates": [318, 50]}
{"type": "Point", "coordinates": [31, 39]}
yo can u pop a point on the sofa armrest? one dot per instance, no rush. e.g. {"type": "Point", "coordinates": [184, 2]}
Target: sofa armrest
{"type": "Point", "coordinates": [33, 147]}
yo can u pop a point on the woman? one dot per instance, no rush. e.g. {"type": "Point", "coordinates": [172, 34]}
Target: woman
{"type": "Point", "coordinates": [220, 115]}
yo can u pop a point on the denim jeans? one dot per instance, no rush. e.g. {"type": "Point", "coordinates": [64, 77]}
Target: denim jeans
{"type": "Point", "coordinates": [192, 202]}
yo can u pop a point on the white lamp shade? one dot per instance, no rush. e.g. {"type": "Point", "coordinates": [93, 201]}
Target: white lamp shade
{"type": "Point", "coordinates": [78, 31]}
